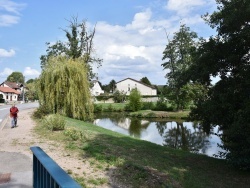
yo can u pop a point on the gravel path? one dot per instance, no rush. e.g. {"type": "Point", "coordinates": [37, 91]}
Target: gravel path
{"type": "Point", "coordinates": [21, 138]}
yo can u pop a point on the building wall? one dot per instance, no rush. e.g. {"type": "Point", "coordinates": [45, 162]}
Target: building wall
{"type": "Point", "coordinates": [9, 96]}
{"type": "Point", "coordinates": [128, 84]}
{"type": "Point", "coordinates": [96, 90]}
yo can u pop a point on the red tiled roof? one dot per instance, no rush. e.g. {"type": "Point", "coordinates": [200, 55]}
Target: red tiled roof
{"type": "Point", "coordinates": [12, 85]}
{"type": "Point", "coordinates": [8, 90]}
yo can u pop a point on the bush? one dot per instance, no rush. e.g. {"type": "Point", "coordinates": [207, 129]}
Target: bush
{"type": "Point", "coordinates": [147, 105]}
{"type": "Point", "coordinates": [160, 106]}
{"type": "Point", "coordinates": [98, 108]}
{"type": "Point", "coordinates": [135, 103]}
{"type": "Point", "coordinates": [40, 112]}
{"type": "Point", "coordinates": [54, 122]}
{"type": "Point", "coordinates": [2, 101]}
{"type": "Point", "coordinates": [119, 96]}
{"type": "Point", "coordinates": [74, 134]}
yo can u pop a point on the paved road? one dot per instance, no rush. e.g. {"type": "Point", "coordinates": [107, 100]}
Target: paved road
{"type": "Point", "coordinates": [5, 109]}
{"type": "Point", "coordinates": [15, 168]}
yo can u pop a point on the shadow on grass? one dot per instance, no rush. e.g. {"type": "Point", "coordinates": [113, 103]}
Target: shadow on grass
{"type": "Point", "coordinates": [131, 162]}
{"type": "Point", "coordinates": [137, 163]}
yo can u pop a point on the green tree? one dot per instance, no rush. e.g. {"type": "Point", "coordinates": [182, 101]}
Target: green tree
{"type": "Point", "coordinates": [79, 45]}
{"type": "Point", "coordinates": [145, 81]}
{"type": "Point", "coordinates": [30, 81]}
{"type": "Point", "coordinates": [178, 57]}
{"type": "Point", "coordinates": [135, 102]}
{"type": "Point", "coordinates": [112, 85]}
{"type": "Point", "coordinates": [64, 88]}
{"type": "Point", "coordinates": [226, 55]}
{"type": "Point", "coordinates": [16, 77]}
{"type": "Point", "coordinates": [32, 92]}
{"type": "Point", "coordinates": [119, 96]}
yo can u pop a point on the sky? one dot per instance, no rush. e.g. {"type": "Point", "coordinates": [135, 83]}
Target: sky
{"type": "Point", "coordinates": [130, 35]}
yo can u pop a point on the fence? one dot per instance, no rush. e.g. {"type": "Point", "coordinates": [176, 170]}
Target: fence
{"type": "Point", "coordinates": [47, 173]}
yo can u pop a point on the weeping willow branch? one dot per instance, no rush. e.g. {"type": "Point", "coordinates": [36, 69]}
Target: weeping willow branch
{"type": "Point", "coordinates": [64, 88]}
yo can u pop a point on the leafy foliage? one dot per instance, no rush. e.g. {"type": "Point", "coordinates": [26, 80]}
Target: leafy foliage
{"type": "Point", "coordinates": [79, 45]}
{"type": "Point", "coordinates": [135, 102]}
{"type": "Point", "coordinates": [16, 77]}
{"type": "Point", "coordinates": [178, 58]}
{"type": "Point", "coordinates": [146, 81]}
{"type": "Point", "coordinates": [226, 55]}
{"type": "Point", "coordinates": [54, 122]}
{"type": "Point", "coordinates": [41, 111]}
{"type": "Point", "coordinates": [119, 96]}
{"type": "Point", "coordinates": [64, 88]}
{"type": "Point", "coordinates": [32, 92]}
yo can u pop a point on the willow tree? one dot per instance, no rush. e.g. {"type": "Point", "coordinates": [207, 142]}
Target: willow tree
{"type": "Point", "coordinates": [64, 88]}
{"type": "Point", "coordinates": [78, 44]}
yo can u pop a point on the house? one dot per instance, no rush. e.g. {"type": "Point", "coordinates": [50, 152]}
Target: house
{"type": "Point", "coordinates": [96, 90]}
{"type": "Point", "coordinates": [9, 95]}
{"type": "Point", "coordinates": [128, 84]}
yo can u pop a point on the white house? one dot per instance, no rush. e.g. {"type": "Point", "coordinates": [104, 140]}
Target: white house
{"type": "Point", "coordinates": [9, 94]}
{"type": "Point", "coordinates": [128, 84]}
{"type": "Point", "coordinates": [96, 90]}
{"type": "Point", "coordinates": [12, 91]}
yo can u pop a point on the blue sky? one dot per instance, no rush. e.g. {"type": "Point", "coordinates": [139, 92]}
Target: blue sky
{"type": "Point", "coordinates": [130, 34]}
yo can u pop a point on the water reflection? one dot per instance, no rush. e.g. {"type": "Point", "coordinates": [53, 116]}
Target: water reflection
{"type": "Point", "coordinates": [176, 134]}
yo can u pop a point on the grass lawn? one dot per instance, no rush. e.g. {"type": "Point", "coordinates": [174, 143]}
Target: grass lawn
{"type": "Point", "coordinates": [137, 163]}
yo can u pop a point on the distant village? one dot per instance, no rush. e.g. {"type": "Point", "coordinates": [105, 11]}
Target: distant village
{"type": "Point", "coordinates": [14, 92]}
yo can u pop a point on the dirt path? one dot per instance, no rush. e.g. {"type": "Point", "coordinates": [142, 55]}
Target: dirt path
{"type": "Point", "coordinates": [21, 138]}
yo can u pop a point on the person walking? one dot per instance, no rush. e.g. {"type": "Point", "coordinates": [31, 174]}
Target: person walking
{"type": "Point", "coordinates": [13, 115]}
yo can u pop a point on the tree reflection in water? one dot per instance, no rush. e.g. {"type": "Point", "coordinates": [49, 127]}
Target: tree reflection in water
{"type": "Point", "coordinates": [179, 136]}
{"type": "Point", "coordinates": [187, 136]}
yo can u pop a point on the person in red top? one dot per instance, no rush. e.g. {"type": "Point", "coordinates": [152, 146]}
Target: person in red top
{"type": "Point", "coordinates": [13, 114]}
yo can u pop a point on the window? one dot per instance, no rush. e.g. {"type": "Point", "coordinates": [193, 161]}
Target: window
{"type": "Point", "coordinates": [128, 87]}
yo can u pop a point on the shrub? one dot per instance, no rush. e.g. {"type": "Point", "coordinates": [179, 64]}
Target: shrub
{"type": "Point", "coordinates": [54, 122]}
{"type": "Point", "coordinates": [42, 111]}
{"type": "Point", "coordinates": [160, 106]}
{"type": "Point", "coordinates": [74, 134]}
{"type": "Point", "coordinates": [135, 103]}
{"type": "Point", "coordinates": [119, 96]}
{"type": "Point", "coordinates": [98, 108]}
{"type": "Point", "coordinates": [147, 105]}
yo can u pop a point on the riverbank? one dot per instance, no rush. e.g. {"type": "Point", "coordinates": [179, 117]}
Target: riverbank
{"type": "Point", "coordinates": [128, 162]}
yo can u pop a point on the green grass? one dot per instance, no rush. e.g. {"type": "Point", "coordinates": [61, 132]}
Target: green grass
{"type": "Point", "coordinates": [160, 114]}
{"type": "Point", "coordinates": [137, 163]}
{"type": "Point", "coordinates": [116, 106]}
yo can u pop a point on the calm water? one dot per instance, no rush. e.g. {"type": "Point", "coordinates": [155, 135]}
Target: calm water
{"type": "Point", "coordinates": [180, 135]}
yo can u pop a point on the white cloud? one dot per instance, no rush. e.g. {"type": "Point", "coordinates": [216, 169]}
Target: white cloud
{"type": "Point", "coordinates": [7, 20]}
{"type": "Point", "coordinates": [184, 7]}
{"type": "Point", "coordinates": [9, 8]}
{"type": "Point", "coordinates": [5, 53]}
{"type": "Point", "coordinates": [135, 49]}
{"type": "Point", "coordinates": [30, 72]}
{"type": "Point", "coordinates": [6, 72]}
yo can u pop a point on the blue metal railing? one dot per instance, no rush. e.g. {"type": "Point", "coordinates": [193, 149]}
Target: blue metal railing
{"type": "Point", "coordinates": [47, 173]}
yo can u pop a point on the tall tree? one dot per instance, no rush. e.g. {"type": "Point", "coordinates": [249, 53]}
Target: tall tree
{"type": "Point", "coordinates": [64, 88]}
{"type": "Point", "coordinates": [112, 85]}
{"type": "Point", "coordinates": [32, 93]}
{"type": "Point", "coordinates": [145, 81]}
{"type": "Point", "coordinates": [227, 55]}
{"type": "Point", "coordinates": [178, 57]}
{"type": "Point", "coordinates": [79, 45]}
{"type": "Point", "coordinates": [16, 77]}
